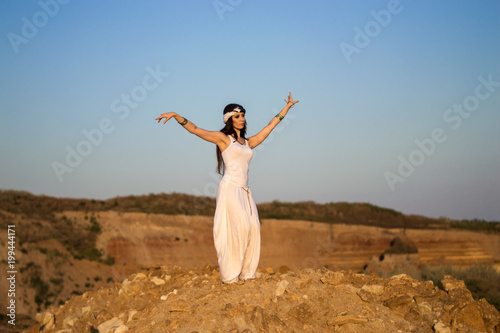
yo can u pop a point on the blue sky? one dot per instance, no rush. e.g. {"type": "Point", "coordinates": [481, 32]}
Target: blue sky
{"type": "Point", "coordinates": [399, 100]}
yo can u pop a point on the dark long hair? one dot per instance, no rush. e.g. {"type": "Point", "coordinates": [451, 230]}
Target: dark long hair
{"type": "Point", "coordinates": [229, 130]}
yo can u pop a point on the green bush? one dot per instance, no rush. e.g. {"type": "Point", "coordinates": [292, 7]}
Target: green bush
{"type": "Point", "coordinates": [91, 254]}
{"type": "Point", "coordinates": [476, 225]}
{"type": "Point", "coordinates": [41, 289]}
{"type": "Point", "coordinates": [95, 227]}
{"type": "Point", "coordinates": [57, 281]}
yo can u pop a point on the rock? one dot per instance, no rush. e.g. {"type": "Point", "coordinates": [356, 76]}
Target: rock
{"type": "Point", "coordinates": [157, 281]}
{"type": "Point", "coordinates": [490, 316]}
{"type": "Point", "coordinates": [121, 329]}
{"type": "Point", "coordinates": [46, 320]}
{"type": "Point", "coordinates": [401, 277]}
{"type": "Point", "coordinates": [424, 308]}
{"type": "Point", "coordinates": [456, 288]}
{"type": "Point", "coordinates": [347, 319]}
{"type": "Point", "coordinates": [349, 288]}
{"type": "Point", "coordinates": [165, 297]}
{"type": "Point", "coordinates": [439, 327]}
{"type": "Point", "coordinates": [471, 316]}
{"type": "Point", "coordinates": [450, 283]}
{"type": "Point", "coordinates": [332, 278]}
{"type": "Point", "coordinates": [398, 301]}
{"type": "Point", "coordinates": [86, 309]}
{"type": "Point", "coordinates": [366, 296]}
{"type": "Point", "coordinates": [110, 325]}
{"type": "Point", "coordinates": [131, 314]}
{"type": "Point", "coordinates": [302, 313]}
{"type": "Point", "coordinates": [123, 317]}
{"type": "Point", "coordinates": [269, 270]}
{"type": "Point", "coordinates": [374, 289]}
{"type": "Point", "coordinates": [281, 287]}
{"type": "Point", "coordinates": [70, 321]}
{"type": "Point", "coordinates": [139, 276]}
{"type": "Point", "coordinates": [130, 287]}
{"type": "Point", "coordinates": [259, 319]}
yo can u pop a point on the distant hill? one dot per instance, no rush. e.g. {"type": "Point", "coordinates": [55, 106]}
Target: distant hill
{"type": "Point", "coordinates": [185, 204]}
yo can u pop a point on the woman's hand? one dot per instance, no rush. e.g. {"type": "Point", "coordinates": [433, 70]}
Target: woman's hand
{"type": "Point", "coordinates": [167, 117]}
{"type": "Point", "coordinates": [290, 100]}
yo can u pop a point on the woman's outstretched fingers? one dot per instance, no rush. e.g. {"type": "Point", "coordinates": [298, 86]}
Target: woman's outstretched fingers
{"type": "Point", "coordinates": [164, 115]}
{"type": "Point", "coordinates": [290, 99]}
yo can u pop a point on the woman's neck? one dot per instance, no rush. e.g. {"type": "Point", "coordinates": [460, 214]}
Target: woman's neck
{"type": "Point", "coordinates": [237, 132]}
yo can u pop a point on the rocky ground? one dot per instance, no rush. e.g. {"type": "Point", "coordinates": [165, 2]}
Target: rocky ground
{"type": "Point", "coordinates": [171, 299]}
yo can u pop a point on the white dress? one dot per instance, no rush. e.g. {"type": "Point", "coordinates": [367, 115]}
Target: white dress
{"type": "Point", "coordinates": [236, 221]}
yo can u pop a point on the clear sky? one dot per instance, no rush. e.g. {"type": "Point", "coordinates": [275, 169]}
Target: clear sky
{"type": "Point", "coordinates": [399, 100]}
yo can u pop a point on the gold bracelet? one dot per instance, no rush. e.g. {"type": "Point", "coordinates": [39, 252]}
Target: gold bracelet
{"type": "Point", "coordinates": [280, 117]}
{"type": "Point", "coordinates": [184, 122]}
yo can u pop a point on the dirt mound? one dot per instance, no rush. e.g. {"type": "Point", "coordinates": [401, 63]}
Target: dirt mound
{"type": "Point", "coordinates": [162, 299]}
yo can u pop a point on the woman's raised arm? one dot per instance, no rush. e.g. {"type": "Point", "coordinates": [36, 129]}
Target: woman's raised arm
{"type": "Point", "coordinates": [257, 139]}
{"type": "Point", "coordinates": [216, 137]}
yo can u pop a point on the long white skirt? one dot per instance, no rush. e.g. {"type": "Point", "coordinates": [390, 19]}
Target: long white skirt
{"type": "Point", "coordinates": [236, 232]}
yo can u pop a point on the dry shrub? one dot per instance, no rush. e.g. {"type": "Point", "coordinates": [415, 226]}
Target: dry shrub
{"type": "Point", "coordinates": [482, 280]}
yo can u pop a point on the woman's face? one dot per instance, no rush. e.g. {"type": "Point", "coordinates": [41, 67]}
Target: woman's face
{"type": "Point", "coordinates": [238, 120]}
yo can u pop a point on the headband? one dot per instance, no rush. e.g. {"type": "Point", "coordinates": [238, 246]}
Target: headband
{"type": "Point", "coordinates": [232, 113]}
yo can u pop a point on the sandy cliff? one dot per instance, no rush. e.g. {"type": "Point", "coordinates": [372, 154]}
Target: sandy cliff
{"type": "Point", "coordinates": [147, 239]}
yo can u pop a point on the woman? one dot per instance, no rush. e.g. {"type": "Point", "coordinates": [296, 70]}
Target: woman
{"type": "Point", "coordinates": [236, 221]}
